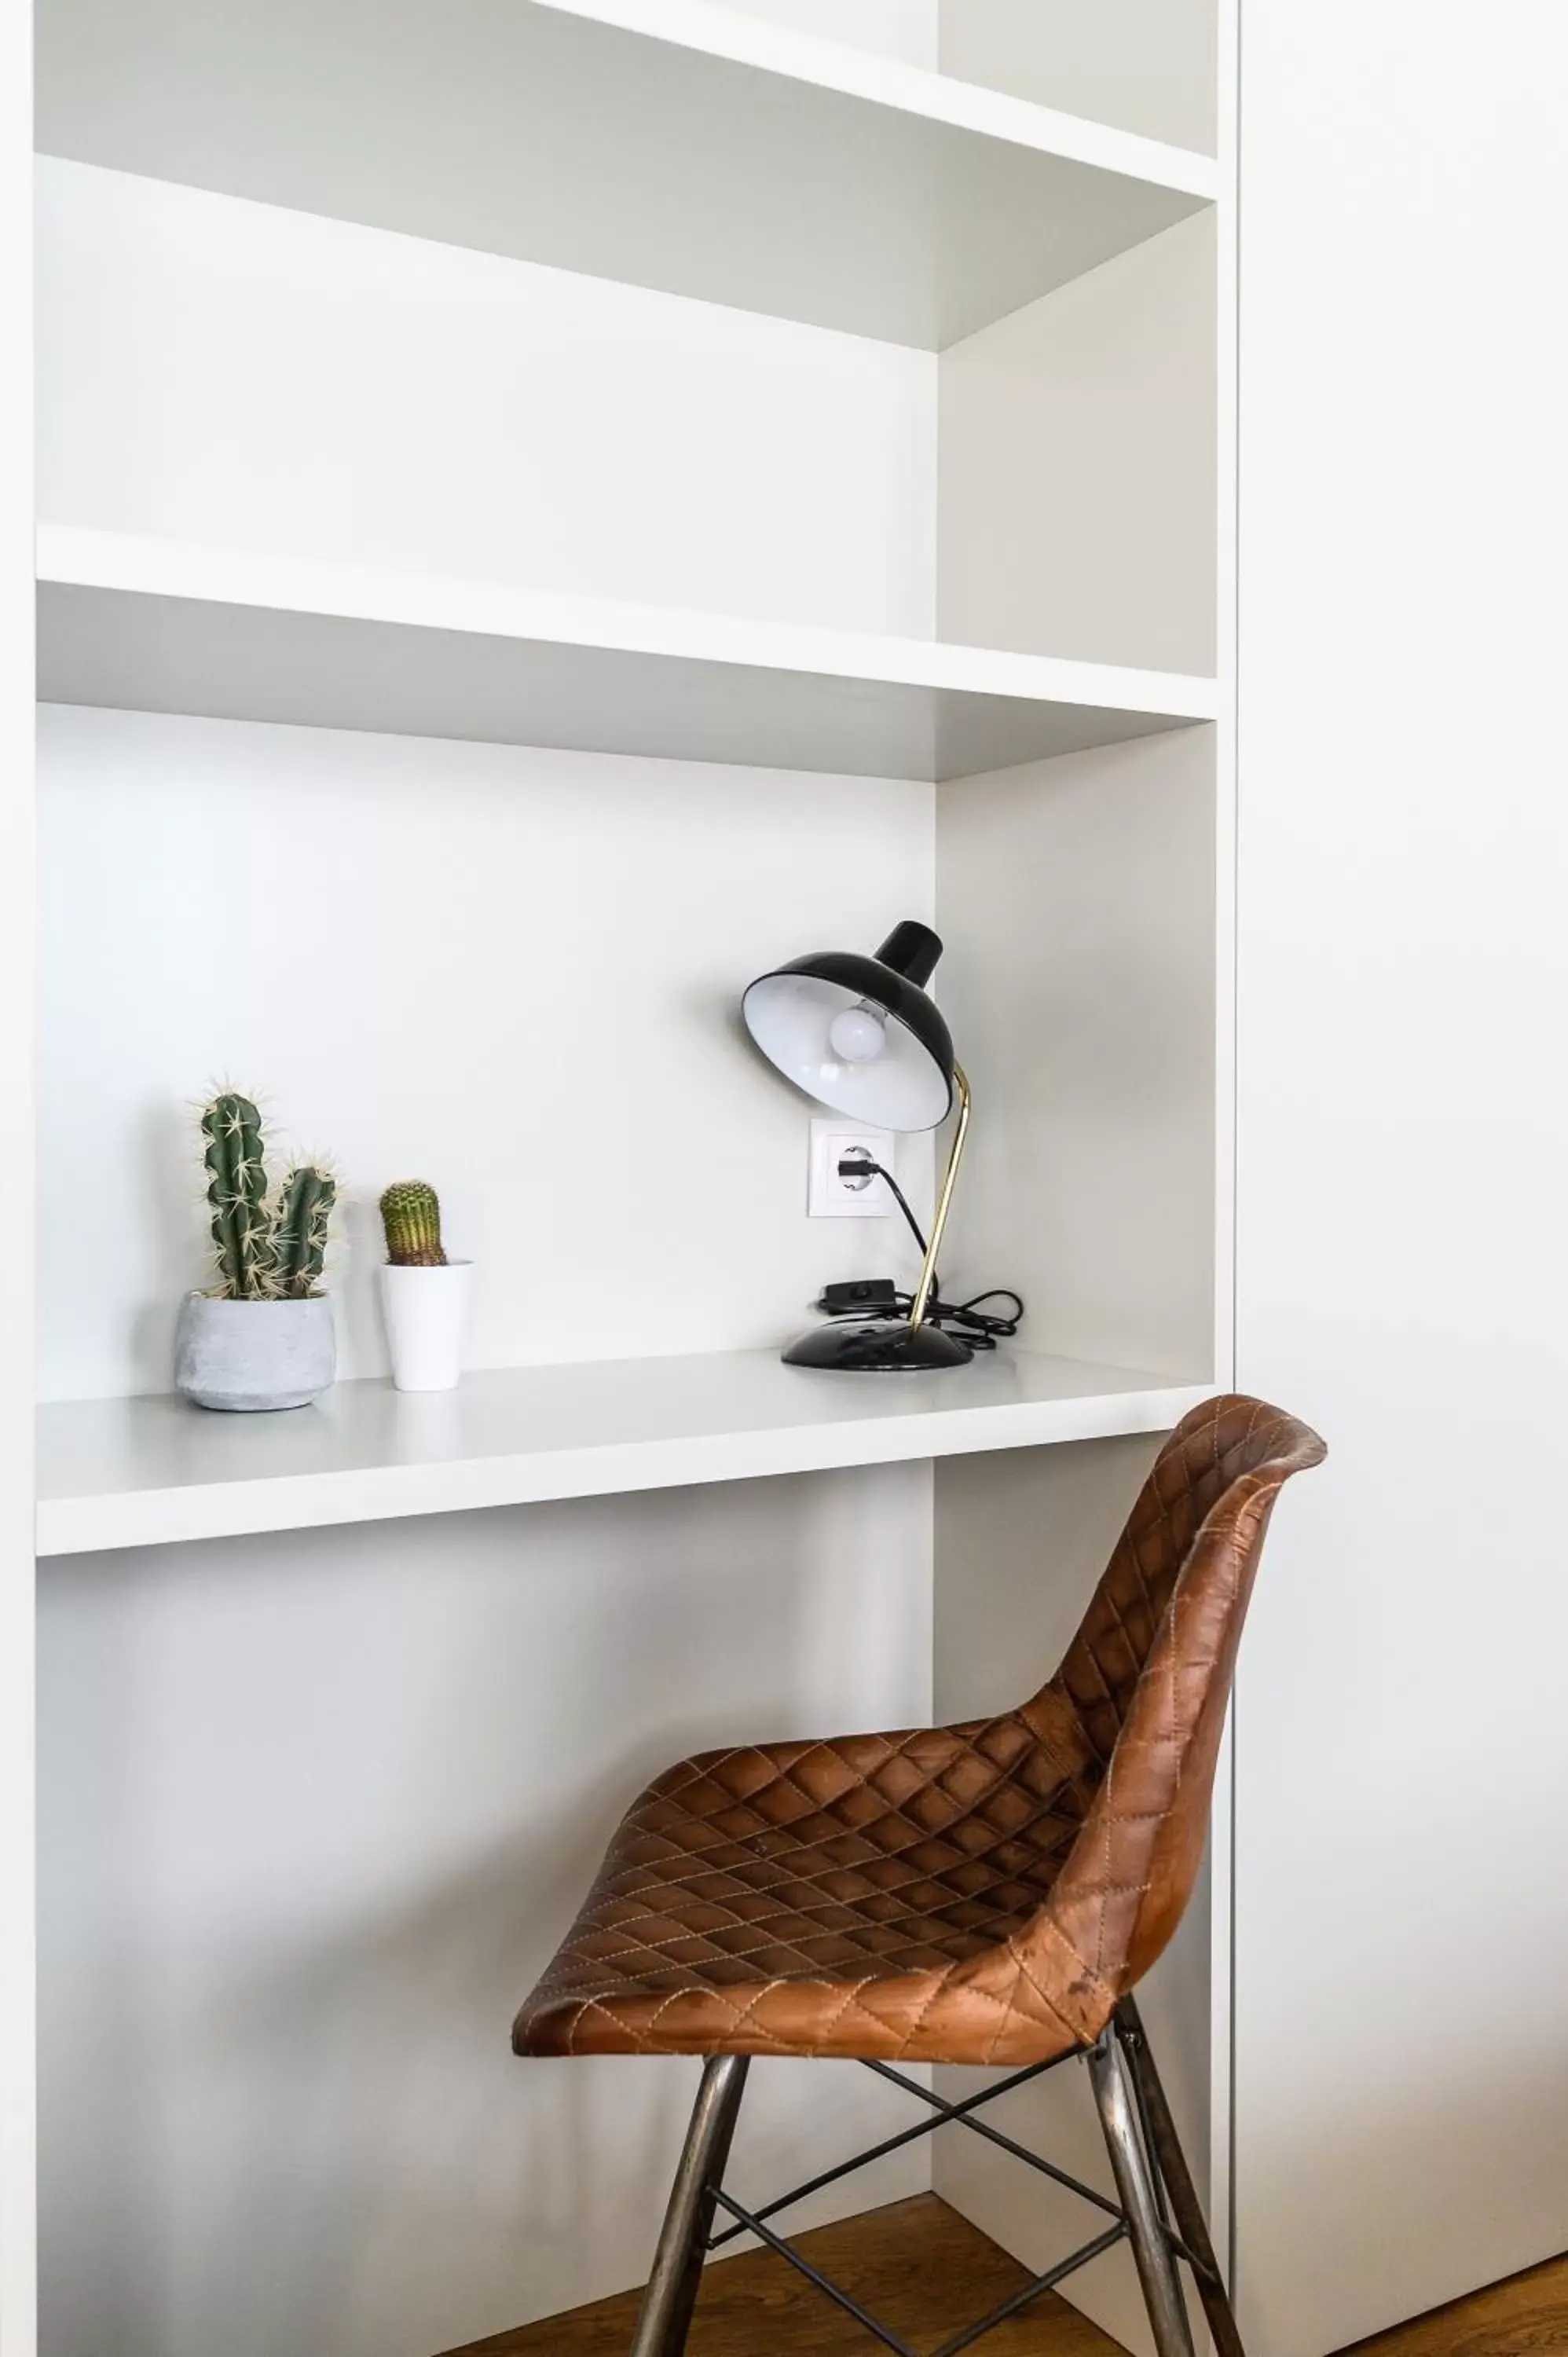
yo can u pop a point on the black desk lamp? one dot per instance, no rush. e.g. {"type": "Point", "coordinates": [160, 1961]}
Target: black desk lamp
{"type": "Point", "coordinates": [860, 1035]}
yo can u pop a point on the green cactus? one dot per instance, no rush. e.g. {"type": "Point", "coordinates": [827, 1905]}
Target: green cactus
{"type": "Point", "coordinates": [263, 1251]}
{"type": "Point", "coordinates": [412, 1216]}
{"type": "Point", "coordinates": [237, 1190]}
{"type": "Point", "coordinates": [297, 1237]}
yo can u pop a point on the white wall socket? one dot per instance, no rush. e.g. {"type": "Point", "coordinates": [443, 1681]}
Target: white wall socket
{"type": "Point", "coordinates": [829, 1197]}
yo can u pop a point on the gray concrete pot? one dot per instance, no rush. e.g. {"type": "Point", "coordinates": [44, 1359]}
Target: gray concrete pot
{"type": "Point", "coordinates": [253, 1355]}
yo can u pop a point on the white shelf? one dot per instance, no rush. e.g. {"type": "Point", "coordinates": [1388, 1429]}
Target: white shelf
{"type": "Point", "coordinates": [138, 1472]}
{"type": "Point", "coordinates": [664, 142]}
{"type": "Point", "coordinates": [142, 625]}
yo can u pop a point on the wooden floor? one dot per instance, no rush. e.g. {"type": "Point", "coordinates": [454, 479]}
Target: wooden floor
{"type": "Point", "coordinates": [925, 2271]}
{"type": "Point", "coordinates": [1528, 2313]}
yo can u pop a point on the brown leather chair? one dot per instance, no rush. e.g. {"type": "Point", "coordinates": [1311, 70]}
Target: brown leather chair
{"type": "Point", "coordinates": [983, 1894]}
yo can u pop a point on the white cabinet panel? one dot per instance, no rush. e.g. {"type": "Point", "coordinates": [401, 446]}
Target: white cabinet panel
{"type": "Point", "coordinates": [1401, 1918]}
{"type": "Point", "coordinates": [16, 1054]}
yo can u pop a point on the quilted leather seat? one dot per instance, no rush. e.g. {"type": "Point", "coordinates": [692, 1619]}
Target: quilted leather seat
{"type": "Point", "coordinates": [982, 1893]}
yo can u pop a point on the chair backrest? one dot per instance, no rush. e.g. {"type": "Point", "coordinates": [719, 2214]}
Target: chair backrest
{"type": "Point", "coordinates": [1138, 1706]}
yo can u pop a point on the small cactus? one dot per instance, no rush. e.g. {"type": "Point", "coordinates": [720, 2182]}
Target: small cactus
{"type": "Point", "coordinates": [237, 1190]}
{"type": "Point", "coordinates": [412, 1216]}
{"type": "Point", "coordinates": [296, 1239]}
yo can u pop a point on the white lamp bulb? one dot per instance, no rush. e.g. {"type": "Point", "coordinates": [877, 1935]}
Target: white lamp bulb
{"type": "Point", "coordinates": [855, 1035]}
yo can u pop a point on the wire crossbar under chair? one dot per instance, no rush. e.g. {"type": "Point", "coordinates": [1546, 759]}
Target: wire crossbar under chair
{"type": "Point", "coordinates": [987, 1894]}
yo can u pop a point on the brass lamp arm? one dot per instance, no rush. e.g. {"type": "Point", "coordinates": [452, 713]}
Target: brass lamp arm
{"type": "Point", "coordinates": [929, 1268]}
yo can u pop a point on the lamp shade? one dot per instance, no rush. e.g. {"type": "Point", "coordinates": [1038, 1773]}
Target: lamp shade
{"type": "Point", "coordinates": [859, 1033]}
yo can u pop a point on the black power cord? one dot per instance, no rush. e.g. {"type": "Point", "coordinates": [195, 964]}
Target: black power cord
{"type": "Point", "coordinates": [980, 1329]}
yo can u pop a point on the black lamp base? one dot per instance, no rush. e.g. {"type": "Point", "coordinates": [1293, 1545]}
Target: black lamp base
{"type": "Point", "coordinates": [878, 1346]}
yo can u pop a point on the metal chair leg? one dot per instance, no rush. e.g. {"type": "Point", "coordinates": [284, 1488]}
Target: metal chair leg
{"type": "Point", "coordinates": [1114, 2093]}
{"type": "Point", "coordinates": [664, 2319]}
{"type": "Point", "coordinates": [1170, 2162]}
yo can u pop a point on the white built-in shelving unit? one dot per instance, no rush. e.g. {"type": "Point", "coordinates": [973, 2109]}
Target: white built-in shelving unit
{"type": "Point", "coordinates": [544, 511]}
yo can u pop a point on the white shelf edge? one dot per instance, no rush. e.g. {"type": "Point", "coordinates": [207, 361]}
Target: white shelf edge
{"type": "Point", "coordinates": [939, 1423]}
{"type": "Point", "coordinates": [137, 565]}
{"type": "Point", "coordinates": [907, 89]}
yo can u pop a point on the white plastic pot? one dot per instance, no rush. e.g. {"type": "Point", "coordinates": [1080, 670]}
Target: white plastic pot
{"type": "Point", "coordinates": [254, 1356]}
{"type": "Point", "coordinates": [426, 1314]}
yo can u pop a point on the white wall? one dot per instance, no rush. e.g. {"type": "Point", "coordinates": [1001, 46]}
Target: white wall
{"type": "Point", "coordinates": [234, 374]}
{"type": "Point", "coordinates": [316, 1811]}
{"type": "Point", "coordinates": [444, 960]}
{"type": "Point", "coordinates": [1402, 1906]}
{"type": "Point", "coordinates": [17, 982]}
{"type": "Point", "coordinates": [1076, 466]}
{"type": "Point", "coordinates": [1077, 897]}
{"type": "Point", "coordinates": [1144, 65]}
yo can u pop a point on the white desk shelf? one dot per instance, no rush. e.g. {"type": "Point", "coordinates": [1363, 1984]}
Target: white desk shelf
{"type": "Point", "coordinates": [142, 625]}
{"type": "Point", "coordinates": [662, 141]}
{"type": "Point", "coordinates": [139, 1473]}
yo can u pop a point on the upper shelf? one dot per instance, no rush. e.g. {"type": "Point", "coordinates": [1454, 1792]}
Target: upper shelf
{"type": "Point", "coordinates": [666, 142]}
{"type": "Point", "coordinates": [138, 1472]}
{"type": "Point", "coordinates": [145, 625]}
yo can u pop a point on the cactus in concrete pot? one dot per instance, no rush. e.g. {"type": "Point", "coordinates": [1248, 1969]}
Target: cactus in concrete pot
{"type": "Point", "coordinates": [261, 1335]}
{"type": "Point", "coordinates": [410, 1213]}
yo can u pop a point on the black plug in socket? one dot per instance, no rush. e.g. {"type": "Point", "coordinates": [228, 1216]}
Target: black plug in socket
{"type": "Point", "coordinates": [868, 1293]}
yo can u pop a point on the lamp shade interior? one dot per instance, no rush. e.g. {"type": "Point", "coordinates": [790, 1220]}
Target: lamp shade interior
{"type": "Point", "coordinates": [856, 1034]}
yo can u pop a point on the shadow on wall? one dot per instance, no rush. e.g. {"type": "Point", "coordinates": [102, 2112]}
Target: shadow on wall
{"type": "Point", "coordinates": [416, 2005]}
